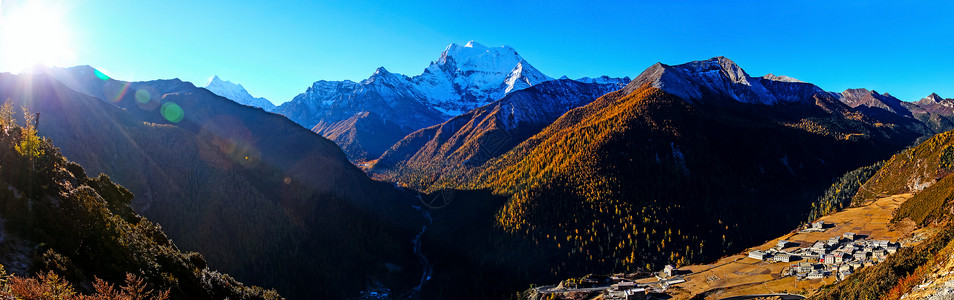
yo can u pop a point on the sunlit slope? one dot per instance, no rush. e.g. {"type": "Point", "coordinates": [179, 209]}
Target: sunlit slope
{"type": "Point", "coordinates": [646, 178]}
{"type": "Point", "coordinates": [445, 151]}
{"type": "Point", "coordinates": [924, 170]}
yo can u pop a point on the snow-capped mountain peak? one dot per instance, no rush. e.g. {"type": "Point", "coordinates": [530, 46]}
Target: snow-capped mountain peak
{"type": "Point", "coordinates": [473, 44]}
{"type": "Point", "coordinates": [479, 58]}
{"type": "Point", "coordinates": [523, 76]}
{"type": "Point", "coordinates": [469, 76]}
{"type": "Point", "coordinates": [463, 78]}
{"type": "Point", "coordinates": [218, 82]}
{"type": "Point", "coordinates": [236, 92]}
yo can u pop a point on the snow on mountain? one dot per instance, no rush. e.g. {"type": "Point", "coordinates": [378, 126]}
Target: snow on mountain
{"type": "Point", "coordinates": [469, 76]}
{"type": "Point", "coordinates": [603, 80]}
{"type": "Point", "coordinates": [463, 78]}
{"type": "Point", "coordinates": [782, 78]}
{"type": "Point", "coordinates": [721, 76]}
{"type": "Point", "coordinates": [237, 93]}
{"type": "Point", "coordinates": [544, 103]}
{"type": "Point", "coordinates": [389, 95]}
{"type": "Point", "coordinates": [490, 130]}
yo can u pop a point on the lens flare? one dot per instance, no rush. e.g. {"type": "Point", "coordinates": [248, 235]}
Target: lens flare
{"type": "Point", "coordinates": [233, 140]}
{"type": "Point", "coordinates": [143, 96]}
{"type": "Point", "coordinates": [100, 75]}
{"type": "Point", "coordinates": [172, 112]}
{"type": "Point", "coordinates": [115, 92]}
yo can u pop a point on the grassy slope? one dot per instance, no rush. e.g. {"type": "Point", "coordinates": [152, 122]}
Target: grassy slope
{"type": "Point", "coordinates": [910, 170]}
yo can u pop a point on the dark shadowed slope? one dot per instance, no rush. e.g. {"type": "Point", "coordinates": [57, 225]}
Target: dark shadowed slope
{"type": "Point", "coordinates": [56, 220]}
{"type": "Point", "coordinates": [268, 201]}
{"type": "Point", "coordinates": [363, 136]}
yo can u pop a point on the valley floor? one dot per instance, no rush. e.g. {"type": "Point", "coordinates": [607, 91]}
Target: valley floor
{"type": "Point", "coordinates": [740, 275]}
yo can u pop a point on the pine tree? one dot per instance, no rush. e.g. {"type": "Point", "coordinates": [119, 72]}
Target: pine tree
{"type": "Point", "coordinates": [29, 143]}
{"type": "Point", "coordinates": [6, 114]}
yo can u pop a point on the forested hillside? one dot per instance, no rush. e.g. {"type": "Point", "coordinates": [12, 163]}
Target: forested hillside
{"type": "Point", "coordinates": [634, 181]}
{"type": "Point", "coordinates": [621, 165]}
{"type": "Point", "coordinates": [82, 237]}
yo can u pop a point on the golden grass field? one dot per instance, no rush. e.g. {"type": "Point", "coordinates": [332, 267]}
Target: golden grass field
{"type": "Point", "coordinates": [739, 275]}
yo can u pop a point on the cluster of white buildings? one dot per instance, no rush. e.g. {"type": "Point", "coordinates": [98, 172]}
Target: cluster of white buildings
{"type": "Point", "coordinates": [626, 293]}
{"type": "Point", "coordinates": [623, 289]}
{"type": "Point", "coordinates": [838, 256]}
{"type": "Point", "coordinates": [776, 254]}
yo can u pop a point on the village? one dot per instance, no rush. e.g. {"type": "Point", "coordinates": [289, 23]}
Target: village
{"type": "Point", "coordinates": [836, 257]}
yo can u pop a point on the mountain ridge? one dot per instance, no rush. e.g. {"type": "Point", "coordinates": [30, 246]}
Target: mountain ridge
{"type": "Point", "coordinates": [461, 79]}
{"type": "Point", "coordinates": [236, 92]}
{"type": "Point", "coordinates": [721, 76]}
{"type": "Point", "coordinates": [488, 131]}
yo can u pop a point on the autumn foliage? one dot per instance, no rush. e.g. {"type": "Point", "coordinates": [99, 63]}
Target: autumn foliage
{"type": "Point", "coordinates": [51, 286]}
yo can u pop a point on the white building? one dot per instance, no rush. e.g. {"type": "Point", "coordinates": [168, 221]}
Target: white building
{"type": "Point", "coordinates": [758, 254]}
{"type": "Point", "coordinates": [782, 244]}
{"type": "Point", "coordinates": [670, 270]}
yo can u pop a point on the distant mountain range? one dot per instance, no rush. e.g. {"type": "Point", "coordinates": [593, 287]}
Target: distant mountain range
{"type": "Point", "coordinates": [462, 79]}
{"type": "Point", "coordinates": [932, 111]}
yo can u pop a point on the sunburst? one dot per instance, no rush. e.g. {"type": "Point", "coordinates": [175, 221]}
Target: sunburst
{"type": "Point", "coordinates": [33, 32]}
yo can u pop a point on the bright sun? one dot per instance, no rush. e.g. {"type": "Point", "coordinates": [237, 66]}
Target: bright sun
{"type": "Point", "coordinates": [33, 32]}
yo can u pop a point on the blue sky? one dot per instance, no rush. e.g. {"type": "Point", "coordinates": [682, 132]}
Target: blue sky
{"type": "Point", "coordinates": [276, 49]}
